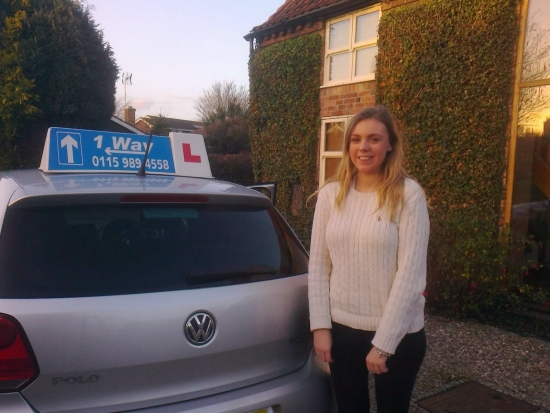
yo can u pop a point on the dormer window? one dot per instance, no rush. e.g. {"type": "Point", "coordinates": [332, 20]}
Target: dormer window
{"type": "Point", "coordinates": [351, 47]}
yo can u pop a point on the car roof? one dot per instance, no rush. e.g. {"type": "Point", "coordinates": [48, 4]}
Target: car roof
{"type": "Point", "coordinates": [33, 183]}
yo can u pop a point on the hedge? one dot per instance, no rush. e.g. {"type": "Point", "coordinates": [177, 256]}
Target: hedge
{"type": "Point", "coordinates": [235, 168]}
{"type": "Point", "coordinates": [446, 70]}
{"type": "Point", "coordinates": [284, 122]}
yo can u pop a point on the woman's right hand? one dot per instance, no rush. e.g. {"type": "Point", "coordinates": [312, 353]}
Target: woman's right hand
{"type": "Point", "coordinates": [322, 344]}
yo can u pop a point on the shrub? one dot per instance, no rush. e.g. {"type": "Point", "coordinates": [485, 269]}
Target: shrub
{"type": "Point", "coordinates": [446, 70]}
{"type": "Point", "coordinates": [284, 123]}
{"type": "Point", "coordinates": [228, 136]}
{"type": "Point", "coordinates": [233, 168]}
{"type": "Point", "coordinates": [477, 271]}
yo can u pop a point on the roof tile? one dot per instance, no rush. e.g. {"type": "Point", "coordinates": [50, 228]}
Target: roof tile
{"type": "Point", "coordinates": [294, 8]}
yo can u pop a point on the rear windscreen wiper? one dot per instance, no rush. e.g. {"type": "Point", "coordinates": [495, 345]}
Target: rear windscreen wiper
{"type": "Point", "coordinates": [198, 276]}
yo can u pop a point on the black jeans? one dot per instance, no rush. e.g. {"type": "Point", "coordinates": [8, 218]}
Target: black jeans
{"type": "Point", "coordinates": [350, 375]}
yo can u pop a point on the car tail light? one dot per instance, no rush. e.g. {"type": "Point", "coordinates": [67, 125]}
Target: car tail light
{"type": "Point", "coordinates": [18, 366]}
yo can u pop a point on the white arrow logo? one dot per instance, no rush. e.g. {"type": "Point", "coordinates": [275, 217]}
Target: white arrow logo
{"type": "Point", "coordinates": [110, 151]}
{"type": "Point", "coordinates": [71, 144]}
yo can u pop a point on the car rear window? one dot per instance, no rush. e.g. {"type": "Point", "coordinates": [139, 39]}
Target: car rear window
{"type": "Point", "coordinates": [76, 251]}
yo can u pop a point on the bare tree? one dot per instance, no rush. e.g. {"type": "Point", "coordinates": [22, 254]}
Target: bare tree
{"type": "Point", "coordinates": [536, 66]}
{"type": "Point", "coordinates": [536, 56]}
{"type": "Point", "coordinates": [224, 100]}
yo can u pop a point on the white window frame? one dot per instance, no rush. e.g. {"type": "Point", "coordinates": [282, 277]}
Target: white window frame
{"type": "Point", "coordinates": [324, 155]}
{"type": "Point", "coordinates": [352, 47]}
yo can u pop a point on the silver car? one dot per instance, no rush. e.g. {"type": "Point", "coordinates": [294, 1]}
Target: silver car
{"type": "Point", "coordinates": [121, 293]}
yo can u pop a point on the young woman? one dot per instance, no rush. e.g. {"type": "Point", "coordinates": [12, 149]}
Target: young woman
{"type": "Point", "coordinates": [367, 269]}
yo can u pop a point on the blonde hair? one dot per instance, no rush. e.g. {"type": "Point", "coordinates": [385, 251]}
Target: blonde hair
{"type": "Point", "coordinates": [391, 190]}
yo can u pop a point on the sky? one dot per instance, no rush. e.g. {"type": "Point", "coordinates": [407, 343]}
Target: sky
{"type": "Point", "coordinates": [176, 49]}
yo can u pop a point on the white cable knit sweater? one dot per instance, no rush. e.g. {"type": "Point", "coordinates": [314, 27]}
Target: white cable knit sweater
{"type": "Point", "coordinates": [366, 272]}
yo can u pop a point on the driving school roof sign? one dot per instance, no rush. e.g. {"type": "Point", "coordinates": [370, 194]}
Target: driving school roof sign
{"type": "Point", "coordinates": [77, 150]}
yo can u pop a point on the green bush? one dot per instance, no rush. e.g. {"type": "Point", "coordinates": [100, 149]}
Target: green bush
{"type": "Point", "coordinates": [228, 136]}
{"type": "Point", "coordinates": [471, 273]}
{"type": "Point", "coordinates": [56, 69]}
{"type": "Point", "coordinates": [235, 168]}
{"type": "Point", "coordinates": [284, 123]}
{"type": "Point", "coordinates": [446, 70]}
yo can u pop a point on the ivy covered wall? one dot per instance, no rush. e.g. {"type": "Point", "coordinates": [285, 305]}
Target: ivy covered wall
{"type": "Point", "coordinates": [284, 123]}
{"type": "Point", "coordinates": [446, 70]}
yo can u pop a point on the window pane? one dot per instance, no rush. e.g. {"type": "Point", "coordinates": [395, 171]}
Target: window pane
{"type": "Point", "coordinates": [536, 56]}
{"type": "Point", "coordinates": [339, 35]}
{"type": "Point", "coordinates": [365, 62]}
{"type": "Point", "coordinates": [141, 249]}
{"type": "Point", "coordinates": [367, 26]}
{"type": "Point", "coordinates": [331, 167]}
{"type": "Point", "coordinates": [339, 66]}
{"type": "Point", "coordinates": [334, 136]}
{"type": "Point", "coordinates": [530, 200]}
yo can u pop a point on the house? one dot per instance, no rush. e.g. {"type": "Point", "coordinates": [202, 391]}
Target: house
{"type": "Point", "coordinates": [118, 125]}
{"type": "Point", "coordinates": [145, 124]}
{"type": "Point", "coordinates": [349, 32]}
{"type": "Point", "coordinates": [469, 79]}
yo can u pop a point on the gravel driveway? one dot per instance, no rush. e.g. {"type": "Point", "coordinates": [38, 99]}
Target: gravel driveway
{"type": "Point", "coordinates": [460, 351]}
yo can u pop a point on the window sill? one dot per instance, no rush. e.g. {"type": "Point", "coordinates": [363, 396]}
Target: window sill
{"type": "Point", "coordinates": [369, 79]}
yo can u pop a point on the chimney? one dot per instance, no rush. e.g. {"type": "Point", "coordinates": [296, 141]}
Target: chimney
{"type": "Point", "coordinates": [129, 115]}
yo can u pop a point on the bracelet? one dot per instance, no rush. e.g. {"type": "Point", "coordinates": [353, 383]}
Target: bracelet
{"type": "Point", "coordinates": [382, 353]}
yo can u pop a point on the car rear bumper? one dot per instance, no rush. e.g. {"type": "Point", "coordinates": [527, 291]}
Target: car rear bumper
{"type": "Point", "coordinates": [14, 403]}
{"type": "Point", "coordinates": [307, 390]}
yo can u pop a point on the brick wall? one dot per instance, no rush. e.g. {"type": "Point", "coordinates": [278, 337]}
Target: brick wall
{"type": "Point", "coordinates": [143, 126]}
{"type": "Point", "coordinates": [129, 115]}
{"type": "Point", "coordinates": [347, 99]}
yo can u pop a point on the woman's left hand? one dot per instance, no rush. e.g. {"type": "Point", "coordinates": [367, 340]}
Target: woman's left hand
{"type": "Point", "coordinates": [376, 363]}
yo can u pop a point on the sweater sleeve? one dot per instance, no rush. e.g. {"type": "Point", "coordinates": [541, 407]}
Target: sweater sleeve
{"type": "Point", "coordinates": [320, 264]}
{"type": "Point", "coordinates": [410, 280]}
